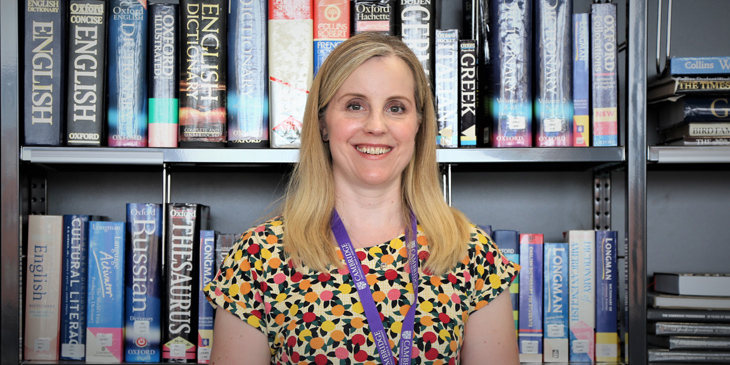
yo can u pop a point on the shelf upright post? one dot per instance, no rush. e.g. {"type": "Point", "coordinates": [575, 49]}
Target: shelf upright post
{"type": "Point", "coordinates": [636, 179]}
{"type": "Point", "coordinates": [165, 200]}
{"type": "Point", "coordinates": [10, 250]}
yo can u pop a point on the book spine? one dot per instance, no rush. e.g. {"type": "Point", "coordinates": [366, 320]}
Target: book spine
{"type": "Point", "coordinates": [223, 244]}
{"type": "Point", "coordinates": [127, 105]}
{"type": "Point", "coordinates": [373, 16]}
{"type": "Point", "coordinates": [556, 300]}
{"type": "Point", "coordinates": [417, 30]}
{"type": "Point", "coordinates": [553, 72]}
{"type": "Point", "coordinates": [447, 86]}
{"type": "Point", "coordinates": [248, 92]}
{"type": "Point", "coordinates": [530, 334]}
{"type": "Point", "coordinates": [74, 284]}
{"type": "Point", "coordinates": [687, 315]}
{"type": "Point", "coordinates": [706, 357]}
{"type": "Point", "coordinates": [291, 68]}
{"type": "Point", "coordinates": [331, 27]}
{"type": "Point", "coordinates": [467, 93]}
{"type": "Point", "coordinates": [45, 79]}
{"type": "Point", "coordinates": [691, 329]}
{"type": "Point", "coordinates": [692, 342]}
{"type": "Point", "coordinates": [607, 340]}
{"type": "Point", "coordinates": [180, 333]}
{"type": "Point", "coordinates": [581, 80]}
{"type": "Point", "coordinates": [164, 69]}
{"type": "Point", "coordinates": [205, 310]}
{"type": "Point", "coordinates": [202, 114]}
{"type": "Point", "coordinates": [699, 66]}
{"type": "Point", "coordinates": [511, 101]}
{"type": "Point", "coordinates": [704, 109]}
{"type": "Point", "coordinates": [508, 242]}
{"type": "Point", "coordinates": [485, 72]}
{"type": "Point", "coordinates": [43, 287]}
{"type": "Point", "coordinates": [86, 91]}
{"type": "Point", "coordinates": [105, 310]}
{"type": "Point", "coordinates": [604, 73]}
{"type": "Point", "coordinates": [143, 318]}
{"type": "Point", "coordinates": [582, 319]}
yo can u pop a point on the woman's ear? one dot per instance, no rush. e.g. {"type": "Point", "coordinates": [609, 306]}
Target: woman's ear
{"type": "Point", "coordinates": [323, 130]}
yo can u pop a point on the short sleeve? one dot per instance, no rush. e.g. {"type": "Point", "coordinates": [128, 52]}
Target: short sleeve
{"type": "Point", "coordinates": [237, 287]}
{"type": "Point", "coordinates": [491, 271]}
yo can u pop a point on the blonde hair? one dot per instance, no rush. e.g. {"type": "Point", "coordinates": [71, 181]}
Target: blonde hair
{"type": "Point", "coordinates": [310, 197]}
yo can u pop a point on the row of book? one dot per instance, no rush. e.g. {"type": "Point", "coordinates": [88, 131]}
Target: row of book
{"type": "Point", "coordinates": [105, 291]}
{"type": "Point", "coordinates": [566, 299]}
{"type": "Point", "coordinates": [213, 73]}
{"type": "Point", "coordinates": [692, 101]}
{"type": "Point", "coordinates": [689, 318]}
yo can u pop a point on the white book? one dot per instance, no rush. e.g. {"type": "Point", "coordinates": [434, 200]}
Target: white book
{"type": "Point", "coordinates": [582, 312]}
{"type": "Point", "coordinates": [717, 285]}
{"type": "Point", "coordinates": [657, 300]}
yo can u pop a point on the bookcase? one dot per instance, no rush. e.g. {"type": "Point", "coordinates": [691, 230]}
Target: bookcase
{"type": "Point", "coordinates": [542, 190]}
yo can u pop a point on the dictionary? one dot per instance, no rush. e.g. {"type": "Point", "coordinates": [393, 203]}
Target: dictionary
{"type": "Point", "coordinates": [331, 27]}
{"type": "Point", "coordinates": [467, 93]}
{"type": "Point", "coordinates": [143, 279]}
{"type": "Point", "coordinates": [582, 318]}
{"type": "Point", "coordinates": [44, 97]}
{"type": "Point", "coordinates": [508, 242]}
{"type": "Point", "coordinates": [206, 311]}
{"type": "Point", "coordinates": [164, 68]}
{"type": "Point", "coordinates": [581, 80]}
{"type": "Point", "coordinates": [607, 340]}
{"type": "Point", "coordinates": [417, 29]}
{"type": "Point", "coordinates": [604, 75]}
{"type": "Point", "coordinates": [447, 87]}
{"type": "Point", "coordinates": [530, 334]}
{"type": "Point", "coordinates": [86, 93]}
{"type": "Point", "coordinates": [555, 302]}
{"type": "Point", "coordinates": [373, 16]}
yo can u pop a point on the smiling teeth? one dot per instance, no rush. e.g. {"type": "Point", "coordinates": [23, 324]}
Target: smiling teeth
{"type": "Point", "coordinates": [374, 150]}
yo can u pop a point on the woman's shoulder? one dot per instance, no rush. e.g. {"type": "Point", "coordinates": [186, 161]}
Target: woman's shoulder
{"type": "Point", "coordinates": [267, 234]}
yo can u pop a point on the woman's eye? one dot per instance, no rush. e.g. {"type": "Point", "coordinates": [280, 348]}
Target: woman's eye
{"type": "Point", "coordinates": [396, 109]}
{"type": "Point", "coordinates": [354, 106]}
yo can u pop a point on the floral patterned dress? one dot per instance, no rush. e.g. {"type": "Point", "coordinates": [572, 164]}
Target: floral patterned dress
{"type": "Point", "coordinates": [317, 318]}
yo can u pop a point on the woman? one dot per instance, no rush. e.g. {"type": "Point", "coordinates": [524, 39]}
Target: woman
{"type": "Point", "coordinates": [367, 169]}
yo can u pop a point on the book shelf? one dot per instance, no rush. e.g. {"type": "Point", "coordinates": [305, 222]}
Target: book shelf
{"type": "Point", "coordinates": [576, 165]}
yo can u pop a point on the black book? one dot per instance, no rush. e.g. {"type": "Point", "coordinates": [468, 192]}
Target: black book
{"type": "Point", "coordinates": [693, 109]}
{"type": "Point", "coordinates": [164, 68]}
{"type": "Point", "coordinates": [44, 97]}
{"type": "Point", "coordinates": [417, 29]}
{"type": "Point", "coordinates": [689, 328]}
{"type": "Point", "coordinates": [688, 315]}
{"type": "Point", "coordinates": [467, 93]}
{"type": "Point", "coordinates": [87, 43]}
{"type": "Point", "coordinates": [689, 342]}
{"type": "Point", "coordinates": [698, 357]}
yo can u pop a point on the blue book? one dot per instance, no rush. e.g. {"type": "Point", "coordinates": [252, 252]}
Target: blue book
{"type": "Point", "coordinates": [699, 66]}
{"type": "Point", "coordinates": [604, 75]}
{"type": "Point", "coordinates": [556, 302]}
{"type": "Point", "coordinates": [581, 80]}
{"type": "Point", "coordinates": [508, 242]}
{"type": "Point", "coordinates": [447, 87]}
{"type": "Point", "coordinates": [205, 310]}
{"type": "Point", "coordinates": [74, 283]}
{"type": "Point", "coordinates": [142, 316]}
{"type": "Point", "coordinates": [247, 90]}
{"type": "Point", "coordinates": [530, 333]}
{"type": "Point", "coordinates": [553, 73]}
{"type": "Point", "coordinates": [105, 300]}
{"type": "Point", "coordinates": [127, 109]}
{"type": "Point", "coordinates": [511, 46]}
{"type": "Point", "coordinates": [607, 340]}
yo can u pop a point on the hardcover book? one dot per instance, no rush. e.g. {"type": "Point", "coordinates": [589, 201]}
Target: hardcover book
{"type": "Point", "coordinates": [604, 75]}
{"type": "Point", "coordinates": [482, 33]}
{"type": "Point", "coordinates": [202, 115]}
{"type": "Point", "coordinates": [689, 342]}
{"type": "Point", "coordinates": [373, 16]}
{"type": "Point", "coordinates": [697, 130]}
{"type": "Point", "coordinates": [127, 109]}
{"type": "Point", "coordinates": [467, 93]}
{"type": "Point", "coordinates": [553, 72]}
{"type": "Point", "coordinates": [530, 334]}
{"type": "Point", "coordinates": [44, 95]}
{"type": "Point", "coordinates": [74, 285]}
{"type": "Point", "coordinates": [447, 86]}
{"type": "Point", "coordinates": [700, 141]}
{"type": "Point", "coordinates": [205, 310]}
{"type": "Point", "coordinates": [658, 300]}
{"type": "Point", "coordinates": [707, 66]}
{"type": "Point", "coordinates": [511, 99]}
{"type": "Point", "coordinates": [693, 109]}
{"type": "Point", "coordinates": [581, 80]}
{"type": "Point", "coordinates": [673, 87]}
{"type": "Point", "coordinates": [690, 328]}
{"type": "Point", "coordinates": [43, 287]}
{"type": "Point", "coordinates": [105, 300]}
{"type": "Point", "coordinates": [582, 323]}
{"type": "Point", "coordinates": [705, 357]}
{"type": "Point", "coordinates": [248, 90]}
{"type": "Point", "coordinates": [556, 290]}
{"type": "Point", "coordinates": [164, 68]}
{"type": "Point", "coordinates": [687, 315]}
{"type": "Point", "coordinates": [223, 244]}
{"type": "Point", "coordinates": [331, 27]}
{"type": "Point", "coordinates": [291, 69]}
{"type": "Point", "coordinates": [692, 284]}
{"type": "Point", "coordinates": [142, 316]}
{"type": "Point", "coordinates": [607, 341]}
{"type": "Point", "coordinates": [418, 29]}
{"type": "Point", "coordinates": [182, 256]}
{"type": "Point", "coordinates": [86, 104]}
{"type": "Point", "coordinates": [508, 242]}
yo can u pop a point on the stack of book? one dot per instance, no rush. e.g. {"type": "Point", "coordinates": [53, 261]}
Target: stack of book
{"type": "Point", "coordinates": [692, 101]}
{"type": "Point", "coordinates": [689, 318]}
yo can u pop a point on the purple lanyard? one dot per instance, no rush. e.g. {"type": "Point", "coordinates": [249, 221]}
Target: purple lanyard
{"type": "Point", "coordinates": [366, 296]}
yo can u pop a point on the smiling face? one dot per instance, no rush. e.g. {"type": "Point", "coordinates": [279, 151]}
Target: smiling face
{"type": "Point", "coordinates": [371, 124]}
